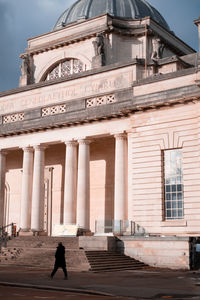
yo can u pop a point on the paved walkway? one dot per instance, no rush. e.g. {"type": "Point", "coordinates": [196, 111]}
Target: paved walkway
{"type": "Point", "coordinates": [143, 284]}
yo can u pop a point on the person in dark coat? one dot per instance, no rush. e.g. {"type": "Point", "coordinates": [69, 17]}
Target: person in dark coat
{"type": "Point", "coordinates": [60, 260]}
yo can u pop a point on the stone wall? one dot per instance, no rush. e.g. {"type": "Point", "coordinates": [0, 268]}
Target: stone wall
{"type": "Point", "coordinates": [163, 252]}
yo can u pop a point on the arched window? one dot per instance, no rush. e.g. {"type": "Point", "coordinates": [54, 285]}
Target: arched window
{"type": "Point", "coordinates": [66, 68]}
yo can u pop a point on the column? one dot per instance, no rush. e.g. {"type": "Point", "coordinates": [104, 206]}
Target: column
{"type": "Point", "coordinates": [25, 217]}
{"type": "Point", "coordinates": [83, 184]}
{"type": "Point", "coordinates": [70, 183]}
{"type": "Point", "coordinates": [37, 213]}
{"type": "Point", "coordinates": [120, 177]}
{"type": "Point", "coordinates": [2, 185]}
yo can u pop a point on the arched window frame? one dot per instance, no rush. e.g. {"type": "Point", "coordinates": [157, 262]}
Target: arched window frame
{"type": "Point", "coordinates": [65, 68]}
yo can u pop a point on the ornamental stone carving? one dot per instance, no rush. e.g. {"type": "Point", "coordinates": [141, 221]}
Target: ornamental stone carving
{"type": "Point", "coordinates": [13, 118]}
{"type": "Point", "coordinates": [25, 67]}
{"type": "Point", "coordinates": [99, 59]}
{"type": "Point", "coordinates": [157, 49]}
{"type": "Point", "coordinates": [53, 110]}
{"type": "Point", "coordinates": [98, 101]}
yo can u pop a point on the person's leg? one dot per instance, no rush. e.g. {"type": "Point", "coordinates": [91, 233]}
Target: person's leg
{"type": "Point", "coordinates": [54, 270]}
{"type": "Point", "coordinates": [65, 271]}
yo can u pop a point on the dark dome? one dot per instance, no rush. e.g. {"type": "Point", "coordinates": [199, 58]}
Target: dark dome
{"type": "Point", "coordinates": [127, 9]}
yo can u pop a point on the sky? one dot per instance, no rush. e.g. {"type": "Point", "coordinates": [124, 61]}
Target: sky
{"type": "Point", "coordinates": [23, 19]}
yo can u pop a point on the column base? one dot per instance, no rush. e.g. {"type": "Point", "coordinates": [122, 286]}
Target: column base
{"type": "Point", "coordinates": [25, 233]}
{"type": "Point", "coordinates": [85, 232]}
{"type": "Point", "coordinates": [39, 233]}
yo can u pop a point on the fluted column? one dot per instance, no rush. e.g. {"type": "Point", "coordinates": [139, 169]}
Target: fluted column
{"type": "Point", "coordinates": [37, 213]}
{"type": "Point", "coordinates": [120, 177]}
{"type": "Point", "coordinates": [83, 184]}
{"type": "Point", "coordinates": [25, 217]}
{"type": "Point", "coordinates": [2, 184]}
{"type": "Point", "coordinates": [70, 183]}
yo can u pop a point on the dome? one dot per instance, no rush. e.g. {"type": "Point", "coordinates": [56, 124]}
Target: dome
{"type": "Point", "coordinates": [127, 9]}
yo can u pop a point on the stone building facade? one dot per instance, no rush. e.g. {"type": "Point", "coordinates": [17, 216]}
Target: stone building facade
{"type": "Point", "coordinates": [103, 131]}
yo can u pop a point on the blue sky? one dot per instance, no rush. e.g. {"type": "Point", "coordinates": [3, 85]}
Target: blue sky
{"type": "Point", "coordinates": [22, 19]}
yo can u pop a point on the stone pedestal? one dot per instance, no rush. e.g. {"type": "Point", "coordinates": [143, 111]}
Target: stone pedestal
{"type": "Point", "coordinates": [97, 61]}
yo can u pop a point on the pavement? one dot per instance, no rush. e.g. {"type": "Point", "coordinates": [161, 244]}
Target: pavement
{"type": "Point", "coordinates": [139, 284]}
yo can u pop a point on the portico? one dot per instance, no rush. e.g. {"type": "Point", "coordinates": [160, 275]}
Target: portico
{"type": "Point", "coordinates": [74, 193]}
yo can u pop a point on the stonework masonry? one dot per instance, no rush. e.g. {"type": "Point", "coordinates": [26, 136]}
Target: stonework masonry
{"type": "Point", "coordinates": [84, 144]}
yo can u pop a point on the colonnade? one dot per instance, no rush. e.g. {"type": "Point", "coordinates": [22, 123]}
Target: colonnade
{"type": "Point", "coordinates": [76, 184]}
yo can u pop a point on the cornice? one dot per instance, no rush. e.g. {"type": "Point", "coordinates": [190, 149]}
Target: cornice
{"type": "Point", "coordinates": [161, 77]}
{"type": "Point", "coordinates": [66, 41]}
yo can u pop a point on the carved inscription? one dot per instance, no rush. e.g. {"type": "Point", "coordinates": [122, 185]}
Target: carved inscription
{"type": "Point", "coordinates": [63, 92]}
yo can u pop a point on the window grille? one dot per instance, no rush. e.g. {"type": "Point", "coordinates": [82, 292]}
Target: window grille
{"type": "Point", "coordinates": [66, 68]}
{"type": "Point", "coordinates": [173, 185]}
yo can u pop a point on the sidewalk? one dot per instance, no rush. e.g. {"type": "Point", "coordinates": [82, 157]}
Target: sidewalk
{"type": "Point", "coordinates": [146, 284]}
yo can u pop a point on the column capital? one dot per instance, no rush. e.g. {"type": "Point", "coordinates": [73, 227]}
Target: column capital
{"type": "Point", "coordinates": [27, 149]}
{"type": "Point", "coordinates": [3, 152]}
{"type": "Point", "coordinates": [39, 147]}
{"type": "Point", "coordinates": [121, 136]}
{"type": "Point", "coordinates": [84, 142]}
{"type": "Point", "coordinates": [71, 143]}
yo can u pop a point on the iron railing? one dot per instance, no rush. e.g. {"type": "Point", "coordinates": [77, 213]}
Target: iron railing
{"type": "Point", "coordinates": [6, 232]}
{"type": "Point", "coordinates": [119, 227]}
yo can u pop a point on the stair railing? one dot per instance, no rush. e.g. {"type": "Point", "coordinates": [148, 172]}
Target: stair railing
{"type": "Point", "coordinates": [4, 234]}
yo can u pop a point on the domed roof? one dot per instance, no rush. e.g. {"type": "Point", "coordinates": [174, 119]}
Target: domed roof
{"type": "Point", "coordinates": [127, 9]}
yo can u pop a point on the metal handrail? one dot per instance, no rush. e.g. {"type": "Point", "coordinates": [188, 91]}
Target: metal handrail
{"type": "Point", "coordinates": [4, 234]}
{"type": "Point", "coordinates": [6, 226]}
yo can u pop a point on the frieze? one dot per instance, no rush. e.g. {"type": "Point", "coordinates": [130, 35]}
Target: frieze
{"type": "Point", "coordinates": [65, 92]}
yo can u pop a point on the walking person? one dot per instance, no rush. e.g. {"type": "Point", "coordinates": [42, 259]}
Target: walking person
{"type": "Point", "coordinates": [60, 260]}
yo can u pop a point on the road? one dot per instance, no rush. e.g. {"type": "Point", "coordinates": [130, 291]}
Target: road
{"type": "Point", "coordinates": [12, 293]}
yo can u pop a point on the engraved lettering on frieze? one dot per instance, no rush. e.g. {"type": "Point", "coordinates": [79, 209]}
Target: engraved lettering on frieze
{"type": "Point", "coordinates": [98, 101]}
{"type": "Point", "coordinates": [53, 110]}
{"type": "Point", "coordinates": [13, 118]}
{"type": "Point", "coordinates": [69, 92]}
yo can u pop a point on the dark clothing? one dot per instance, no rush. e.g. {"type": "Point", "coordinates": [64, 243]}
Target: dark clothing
{"type": "Point", "coordinates": [60, 260]}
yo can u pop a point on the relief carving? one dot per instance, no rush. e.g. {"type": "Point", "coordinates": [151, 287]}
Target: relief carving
{"type": "Point", "coordinates": [157, 49]}
{"type": "Point", "coordinates": [99, 58]}
{"type": "Point", "coordinates": [25, 77]}
{"type": "Point", "coordinates": [99, 45]}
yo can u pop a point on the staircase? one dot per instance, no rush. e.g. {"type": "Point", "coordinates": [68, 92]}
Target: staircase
{"type": "Point", "coordinates": [9, 254]}
{"type": "Point", "coordinates": [105, 261]}
{"type": "Point", "coordinates": [39, 251]}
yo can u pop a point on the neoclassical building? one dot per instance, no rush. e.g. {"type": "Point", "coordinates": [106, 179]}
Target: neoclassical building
{"type": "Point", "coordinates": [104, 129]}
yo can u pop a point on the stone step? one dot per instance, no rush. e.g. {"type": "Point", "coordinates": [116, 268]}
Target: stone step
{"type": "Point", "coordinates": [45, 257]}
{"type": "Point", "coordinates": [104, 261]}
{"type": "Point", "coordinates": [43, 242]}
